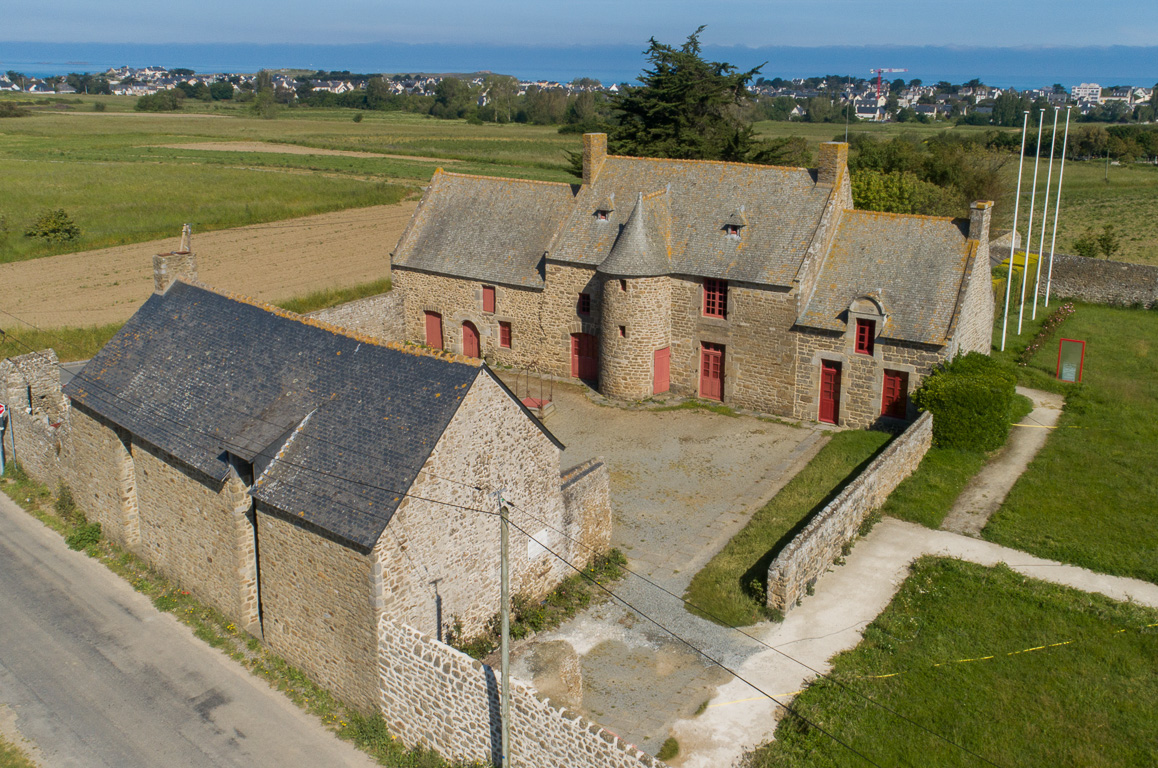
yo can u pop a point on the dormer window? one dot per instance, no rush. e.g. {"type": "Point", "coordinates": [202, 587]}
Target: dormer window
{"type": "Point", "coordinates": [865, 336]}
{"type": "Point", "coordinates": [604, 209]}
{"type": "Point", "coordinates": [732, 231]}
{"type": "Point", "coordinates": [734, 224]}
{"type": "Point", "coordinates": [601, 214]}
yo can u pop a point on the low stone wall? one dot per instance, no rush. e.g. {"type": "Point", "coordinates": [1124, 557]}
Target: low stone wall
{"type": "Point", "coordinates": [37, 414]}
{"type": "Point", "coordinates": [815, 548]}
{"type": "Point", "coordinates": [587, 505]}
{"type": "Point", "coordinates": [437, 697]}
{"type": "Point", "coordinates": [378, 316]}
{"type": "Point", "coordinates": [1102, 282]}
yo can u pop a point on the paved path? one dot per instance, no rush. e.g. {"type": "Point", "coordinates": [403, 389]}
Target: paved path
{"type": "Point", "coordinates": [95, 676]}
{"type": "Point", "coordinates": [989, 487]}
{"type": "Point", "coordinates": [849, 597]}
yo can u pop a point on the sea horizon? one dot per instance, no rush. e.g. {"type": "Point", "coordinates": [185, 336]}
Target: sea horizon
{"type": "Point", "coordinates": [1019, 68]}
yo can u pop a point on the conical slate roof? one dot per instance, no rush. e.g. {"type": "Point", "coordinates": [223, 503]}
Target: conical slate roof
{"type": "Point", "coordinates": [636, 253]}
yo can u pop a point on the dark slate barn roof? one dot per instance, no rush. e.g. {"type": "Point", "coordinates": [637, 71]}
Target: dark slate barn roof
{"type": "Point", "coordinates": [782, 208]}
{"type": "Point", "coordinates": [197, 374]}
{"type": "Point", "coordinates": [913, 265]}
{"type": "Point", "coordinates": [483, 228]}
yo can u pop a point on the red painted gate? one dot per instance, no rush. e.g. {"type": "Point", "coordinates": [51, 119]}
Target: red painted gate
{"type": "Point", "coordinates": [661, 371]}
{"type": "Point", "coordinates": [830, 392]}
{"type": "Point", "coordinates": [469, 339]}
{"type": "Point", "coordinates": [434, 330]}
{"type": "Point", "coordinates": [712, 371]}
{"type": "Point", "coordinates": [584, 356]}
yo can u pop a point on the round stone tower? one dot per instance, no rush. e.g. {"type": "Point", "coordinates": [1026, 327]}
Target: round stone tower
{"type": "Point", "coordinates": [635, 322]}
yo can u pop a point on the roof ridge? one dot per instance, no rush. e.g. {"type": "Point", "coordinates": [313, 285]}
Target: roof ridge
{"type": "Point", "coordinates": [902, 215]}
{"type": "Point", "coordinates": [707, 162]}
{"type": "Point", "coordinates": [337, 330]}
{"type": "Point", "coordinates": [504, 178]}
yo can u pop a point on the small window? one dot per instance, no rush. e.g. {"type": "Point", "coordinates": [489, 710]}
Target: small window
{"type": "Point", "coordinates": [732, 231]}
{"type": "Point", "coordinates": [622, 285]}
{"type": "Point", "coordinates": [715, 298]}
{"type": "Point", "coordinates": [623, 331]}
{"type": "Point", "coordinates": [865, 333]}
{"type": "Point", "coordinates": [895, 395]}
{"type": "Point", "coordinates": [583, 307]}
{"type": "Point", "coordinates": [488, 296]}
{"type": "Point", "coordinates": [601, 215]}
{"type": "Point", "coordinates": [505, 335]}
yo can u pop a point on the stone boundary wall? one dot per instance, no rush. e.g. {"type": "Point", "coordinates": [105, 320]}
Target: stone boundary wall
{"type": "Point", "coordinates": [1096, 281]}
{"type": "Point", "coordinates": [587, 500]}
{"type": "Point", "coordinates": [815, 548]}
{"type": "Point", "coordinates": [37, 427]}
{"type": "Point", "coordinates": [378, 316]}
{"type": "Point", "coordinates": [435, 696]}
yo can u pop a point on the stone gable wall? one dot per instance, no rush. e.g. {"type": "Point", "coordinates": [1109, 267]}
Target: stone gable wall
{"type": "Point", "coordinates": [377, 316]}
{"type": "Point", "coordinates": [437, 562]}
{"type": "Point", "coordinates": [974, 331]}
{"type": "Point", "coordinates": [459, 300]}
{"type": "Point", "coordinates": [861, 377]}
{"type": "Point", "coordinates": [440, 698]}
{"type": "Point", "coordinates": [318, 608]}
{"type": "Point", "coordinates": [822, 541]}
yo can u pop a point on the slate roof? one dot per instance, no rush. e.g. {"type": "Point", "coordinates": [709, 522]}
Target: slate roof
{"type": "Point", "coordinates": [782, 206]}
{"type": "Point", "coordinates": [913, 265]}
{"type": "Point", "coordinates": [196, 374]}
{"type": "Point", "coordinates": [483, 228]}
{"type": "Point", "coordinates": [642, 248]}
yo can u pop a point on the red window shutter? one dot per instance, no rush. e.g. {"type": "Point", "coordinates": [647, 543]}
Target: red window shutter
{"type": "Point", "coordinates": [505, 335]}
{"type": "Point", "coordinates": [488, 298]}
{"type": "Point", "coordinates": [895, 394]}
{"type": "Point", "coordinates": [865, 330]}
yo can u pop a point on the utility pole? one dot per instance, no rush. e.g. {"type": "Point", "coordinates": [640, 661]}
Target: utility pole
{"type": "Point", "coordinates": [505, 612]}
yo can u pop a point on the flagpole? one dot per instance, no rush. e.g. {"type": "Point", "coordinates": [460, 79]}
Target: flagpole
{"type": "Point", "coordinates": [1013, 243]}
{"type": "Point", "coordinates": [1044, 214]}
{"type": "Point", "coordinates": [1029, 227]}
{"type": "Point", "coordinates": [1057, 206]}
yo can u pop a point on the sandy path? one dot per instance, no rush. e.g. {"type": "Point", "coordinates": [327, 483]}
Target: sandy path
{"type": "Point", "coordinates": [293, 149]}
{"type": "Point", "coordinates": [267, 261]}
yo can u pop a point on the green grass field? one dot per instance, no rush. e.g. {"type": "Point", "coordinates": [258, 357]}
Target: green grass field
{"type": "Point", "coordinates": [1090, 495]}
{"type": "Point", "coordinates": [12, 756]}
{"type": "Point", "coordinates": [1089, 703]}
{"type": "Point", "coordinates": [731, 585]}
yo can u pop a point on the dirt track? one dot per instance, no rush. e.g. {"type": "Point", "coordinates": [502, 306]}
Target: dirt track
{"type": "Point", "coordinates": [294, 149]}
{"type": "Point", "coordinates": [267, 261]}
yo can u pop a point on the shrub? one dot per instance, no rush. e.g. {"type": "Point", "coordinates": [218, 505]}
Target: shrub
{"type": "Point", "coordinates": [9, 109]}
{"type": "Point", "coordinates": [358, 117]}
{"type": "Point", "coordinates": [85, 536]}
{"type": "Point", "coordinates": [970, 399]}
{"type": "Point", "coordinates": [54, 226]}
{"type": "Point", "coordinates": [100, 106]}
{"type": "Point", "coordinates": [161, 101]}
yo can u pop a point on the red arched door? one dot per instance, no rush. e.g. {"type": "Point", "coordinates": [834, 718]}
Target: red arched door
{"type": "Point", "coordinates": [470, 339]}
{"type": "Point", "coordinates": [585, 356]}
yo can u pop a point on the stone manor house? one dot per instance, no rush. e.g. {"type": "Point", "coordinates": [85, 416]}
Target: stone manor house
{"type": "Point", "coordinates": [317, 486]}
{"type": "Point", "coordinates": [758, 286]}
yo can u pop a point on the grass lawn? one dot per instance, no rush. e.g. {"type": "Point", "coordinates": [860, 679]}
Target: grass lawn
{"type": "Point", "coordinates": [11, 756]}
{"type": "Point", "coordinates": [927, 495]}
{"type": "Point", "coordinates": [1090, 495]}
{"type": "Point", "coordinates": [69, 343]}
{"type": "Point", "coordinates": [1089, 703]}
{"type": "Point", "coordinates": [731, 585]}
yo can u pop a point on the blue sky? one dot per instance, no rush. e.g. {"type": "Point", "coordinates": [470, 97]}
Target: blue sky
{"type": "Point", "coordinates": [1019, 23]}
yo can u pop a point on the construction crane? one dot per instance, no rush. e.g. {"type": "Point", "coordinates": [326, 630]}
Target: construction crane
{"type": "Point", "coordinates": [881, 71]}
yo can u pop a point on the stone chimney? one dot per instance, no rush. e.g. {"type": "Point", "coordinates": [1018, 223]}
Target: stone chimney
{"type": "Point", "coordinates": [167, 267]}
{"type": "Point", "coordinates": [833, 162]}
{"type": "Point", "coordinates": [980, 214]}
{"type": "Point", "coordinates": [594, 153]}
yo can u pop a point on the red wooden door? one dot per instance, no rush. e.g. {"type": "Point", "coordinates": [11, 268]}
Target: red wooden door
{"type": "Point", "coordinates": [830, 392]}
{"type": "Point", "coordinates": [434, 330]}
{"type": "Point", "coordinates": [584, 356]}
{"type": "Point", "coordinates": [469, 339]}
{"type": "Point", "coordinates": [661, 371]}
{"type": "Point", "coordinates": [895, 395]}
{"type": "Point", "coordinates": [712, 371]}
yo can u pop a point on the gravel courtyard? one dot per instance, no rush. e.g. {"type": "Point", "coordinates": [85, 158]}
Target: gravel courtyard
{"type": "Point", "coordinates": [683, 482]}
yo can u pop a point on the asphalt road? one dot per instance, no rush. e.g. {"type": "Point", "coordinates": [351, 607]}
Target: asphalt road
{"type": "Point", "coordinates": [96, 676]}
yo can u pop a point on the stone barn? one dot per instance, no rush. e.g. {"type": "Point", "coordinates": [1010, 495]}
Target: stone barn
{"type": "Point", "coordinates": [311, 484]}
{"type": "Point", "coordinates": [753, 285]}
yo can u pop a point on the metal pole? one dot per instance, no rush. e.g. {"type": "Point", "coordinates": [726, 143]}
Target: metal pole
{"type": "Point", "coordinates": [505, 611]}
{"type": "Point", "coordinates": [1029, 227]}
{"type": "Point", "coordinates": [2, 445]}
{"type": "Point", "coordinates": [1057, 206]}
{"type": "Point", "coordinates": [1044, 214]}
{"type": "Point", "coordinates": [1013, 244]}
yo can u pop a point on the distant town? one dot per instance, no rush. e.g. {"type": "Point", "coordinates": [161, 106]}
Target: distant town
{"type": "Point", "coordinates": [815, 99]}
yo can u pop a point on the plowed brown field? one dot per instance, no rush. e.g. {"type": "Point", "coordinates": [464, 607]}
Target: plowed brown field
{"type": "Point", "coordinates": [271, 261]}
